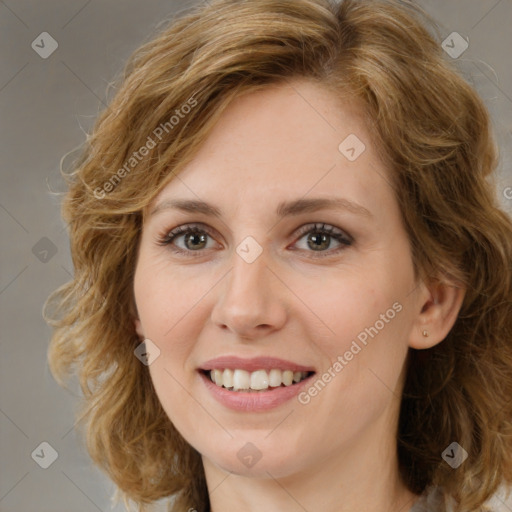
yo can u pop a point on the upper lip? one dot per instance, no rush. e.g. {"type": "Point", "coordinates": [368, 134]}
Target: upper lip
{"type": "Point", "coordinates": [253, 364]}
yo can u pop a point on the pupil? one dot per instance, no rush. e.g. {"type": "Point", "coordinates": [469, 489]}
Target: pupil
{"type": "Point", "coordinates": [196, 238]}
{"type": "Point", "coordinates": [319, 241]}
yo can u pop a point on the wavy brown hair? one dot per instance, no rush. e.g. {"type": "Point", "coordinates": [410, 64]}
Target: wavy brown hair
{"type": "Point", "coordinates": [430, 128]}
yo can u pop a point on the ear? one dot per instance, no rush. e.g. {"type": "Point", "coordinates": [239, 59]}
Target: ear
{"type": "Point", "coordinates": [136, 321]}
{"type": "Point", "coordinates": [438, 306]}
{"type": "Point", "coordinates": [138, 327]}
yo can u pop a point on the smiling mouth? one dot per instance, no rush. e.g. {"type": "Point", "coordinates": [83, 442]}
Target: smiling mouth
{"type": "Point", "coordinates": [259, 380]}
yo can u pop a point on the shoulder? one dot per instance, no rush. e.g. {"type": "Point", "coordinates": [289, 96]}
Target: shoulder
{"type": "Point", "coordinates": [433, 500]}
{"type": "Point", "coordinates": [430, 501]}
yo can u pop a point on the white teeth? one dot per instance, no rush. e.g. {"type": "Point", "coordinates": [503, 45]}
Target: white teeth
{"type": "Point", "coordinates": [287, 377]}
{"type": "Point", "coordinates": [274, 378]}
{"type": "Point", "coordinates": [241, 380]}
{"type": "Point", "coordinates": [227, 378]}
{"type": "Point", "coordinates": [217, 377]}
{"type": "Point", "coordinates": [258, 381]}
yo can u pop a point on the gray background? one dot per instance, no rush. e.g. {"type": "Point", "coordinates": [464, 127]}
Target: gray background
{"type": "Point", "coordinates": [46, 106]}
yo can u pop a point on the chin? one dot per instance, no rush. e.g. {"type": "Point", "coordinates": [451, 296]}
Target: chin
{"type": "Point", "coordinates": [272, 465]}
{"type": "Point", "coordinates": [259, 458]}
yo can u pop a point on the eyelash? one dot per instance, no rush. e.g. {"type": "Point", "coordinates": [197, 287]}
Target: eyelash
{"type": "Point", "coordinates": [167, 238]}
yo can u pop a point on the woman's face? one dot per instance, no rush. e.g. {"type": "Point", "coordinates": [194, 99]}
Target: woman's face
{"type": "Point", "coordinates": [290, 261]}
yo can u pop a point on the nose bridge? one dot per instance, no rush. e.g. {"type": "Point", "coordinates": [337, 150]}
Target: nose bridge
{"type": "Point", "coordinates": [248, 279]}
{"type": "Point", "coordinates": [248, 299]}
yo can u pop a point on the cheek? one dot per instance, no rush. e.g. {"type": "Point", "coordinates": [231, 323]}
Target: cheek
{"type": "Point", "coordinates": [175, 393]}
{"type": "Point", "coordinates": [360, 378]}
{"type": "Point", "coordinates": [171, 306]}
{"type": "Point", "coordinates": [166, 296]}
{"type": "Point", "coordinates": [342, 308]}
{"type": "Point", "coordinates": [365, 320]}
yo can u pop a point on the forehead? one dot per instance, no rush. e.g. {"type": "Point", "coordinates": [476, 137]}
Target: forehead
{"type": "Point", "coordinates": [287, 140]}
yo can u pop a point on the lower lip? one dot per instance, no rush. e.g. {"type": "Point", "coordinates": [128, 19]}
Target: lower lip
{"type": "Point", "coordinates": [254, 401]}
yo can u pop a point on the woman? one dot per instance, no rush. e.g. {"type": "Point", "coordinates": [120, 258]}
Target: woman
{"type": "Point", "coordinates": [292, 283]}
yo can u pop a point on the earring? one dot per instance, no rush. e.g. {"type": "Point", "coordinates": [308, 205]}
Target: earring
{"type": "Point", "coordinates": [425, 333]}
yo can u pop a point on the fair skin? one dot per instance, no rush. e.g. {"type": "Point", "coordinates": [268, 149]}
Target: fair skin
{"type": "Point", "coordinates": [337, 451]}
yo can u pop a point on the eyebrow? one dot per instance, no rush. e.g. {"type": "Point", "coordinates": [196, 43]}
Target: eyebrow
{"type": "Point", "coordinates": [284, 209]}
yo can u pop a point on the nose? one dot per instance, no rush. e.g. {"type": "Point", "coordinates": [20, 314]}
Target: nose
{"type": "Point", "coordinates": [251, 299]}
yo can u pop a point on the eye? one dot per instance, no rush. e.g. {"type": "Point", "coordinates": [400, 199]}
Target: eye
{"type": "Point", "coordinates": [320, 237]}
{"type": "Point", "coordinates": [194, 238]}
